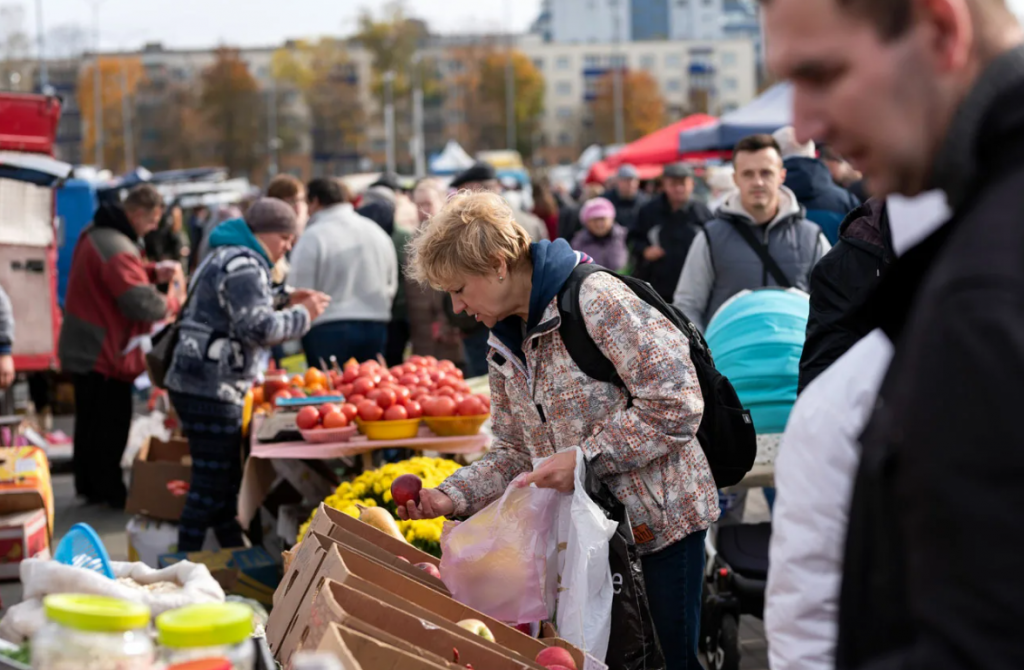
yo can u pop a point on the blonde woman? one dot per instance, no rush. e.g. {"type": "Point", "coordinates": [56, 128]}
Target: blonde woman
{"type": "Point", "coordinates": [542, 404]}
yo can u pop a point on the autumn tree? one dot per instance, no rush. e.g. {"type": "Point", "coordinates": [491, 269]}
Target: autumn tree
{"type": "Point", "coordinates": [120, 78]}
{"type": "Point", "coordinates": [528, 99]}
{"type": "Point", "coordinates": [643, 108]}
{"type": "Point", "coordinates": [325, 76]}
{"type": "Point", "coordinates": [232, 106]}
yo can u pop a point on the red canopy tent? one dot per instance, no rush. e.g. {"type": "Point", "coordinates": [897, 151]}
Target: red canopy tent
{"type": "Point", "coordinates": [651, 152]}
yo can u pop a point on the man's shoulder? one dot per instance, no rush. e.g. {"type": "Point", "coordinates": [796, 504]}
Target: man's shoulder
{"type": "Point", "coordinates": [109, 243]}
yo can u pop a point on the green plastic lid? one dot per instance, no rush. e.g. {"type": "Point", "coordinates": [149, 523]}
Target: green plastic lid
{"type": "Point", "coordinates": [95, 613]}
{"type": "Point", "coordinates": [210, 625]}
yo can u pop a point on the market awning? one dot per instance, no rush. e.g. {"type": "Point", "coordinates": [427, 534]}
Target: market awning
{"type": "Point", "coordinates": [660, 147]}
{"type": "Point", "coordinates": [37, 169]}
{"type": "Point", "coordinates": [766, 114]}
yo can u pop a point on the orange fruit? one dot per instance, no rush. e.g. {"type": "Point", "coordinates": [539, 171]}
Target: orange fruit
{"type": "Point", "coordinates": [315, 386]}
{"type": "Point", "coordinates": [314, 376]}
{"type": "Point", "coordinates": [257, 396]}
{"type": "Point", "coordinates": [298, 380]}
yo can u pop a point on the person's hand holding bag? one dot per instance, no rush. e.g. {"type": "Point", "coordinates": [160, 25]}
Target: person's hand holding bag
{"type": "Point", "coordinates": [433, 504]}
{"type": "Point", "coordinates": [557, 472]}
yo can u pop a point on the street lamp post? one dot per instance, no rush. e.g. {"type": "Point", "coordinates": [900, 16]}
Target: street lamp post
{"type": "Point", "coordinates": [419, 143]}
{"type": "Point", "coordinates": [617, 67]}
{"type": "Point", "coordinates": [389, 118]}
{"type": "Point", "coordinates": [44, 75]}
{"type": "Point", "coordinates": [97, 87]}
{"type": "Point", "coordinates": [510, 86]}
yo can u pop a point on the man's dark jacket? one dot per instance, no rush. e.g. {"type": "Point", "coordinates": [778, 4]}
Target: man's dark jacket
{"type": "Point", "coordinates": [840, 283]}
{"type": "Point", "coordinates": [627, 212]}
{"type": "Point", "coordinates": [932, 574]}
{"type": "Point", "coordinates": [826, 202]}
{"type": "Point", "coordinates": [674, 231]}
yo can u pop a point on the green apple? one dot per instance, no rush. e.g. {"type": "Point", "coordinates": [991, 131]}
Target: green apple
{"type": "Point", "coordinates": [478, 627]}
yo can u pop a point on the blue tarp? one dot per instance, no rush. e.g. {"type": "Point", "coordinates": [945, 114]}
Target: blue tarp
{"type": "Point", "coordinates": [766, 114]}
{"type": "Point", "coordinates": [76, 203]}
{"type": "Point", "coordinates": [757, 338]}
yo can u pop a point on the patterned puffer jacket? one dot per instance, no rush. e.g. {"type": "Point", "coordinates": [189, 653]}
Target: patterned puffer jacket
{"type": "Point", "coordinates": [647, 453]}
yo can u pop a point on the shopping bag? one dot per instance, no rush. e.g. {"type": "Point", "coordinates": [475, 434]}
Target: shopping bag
{"type": "Point", "coordinates": [584, 578]}
{"type": "Point", "coordinates": [496, 561]}
{"type": "Point", "coordinates": [635, 644]}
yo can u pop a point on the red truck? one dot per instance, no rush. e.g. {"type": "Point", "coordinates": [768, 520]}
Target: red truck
{"type": "Point", "coordinates": [29, 175]}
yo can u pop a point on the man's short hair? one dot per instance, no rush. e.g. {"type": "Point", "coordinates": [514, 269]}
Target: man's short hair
{"type": "Point", "coordinates": [145, 197]}
{"type": "Point", "coordinates": [754, 143]}
{"type": "Point", "coordinates": [892, 18]}
{"type": "Point", "coordinates": [327, 191]}
{"type": "Point", "coordinates": [284, 187]}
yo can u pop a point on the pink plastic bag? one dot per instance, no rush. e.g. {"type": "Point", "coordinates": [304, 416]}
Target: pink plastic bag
{"type": "Point", "coordinates": [496, 562]}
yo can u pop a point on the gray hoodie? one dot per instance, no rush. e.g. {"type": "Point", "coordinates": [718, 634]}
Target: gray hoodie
{"type": "Point", "coordinates": [720, 264]}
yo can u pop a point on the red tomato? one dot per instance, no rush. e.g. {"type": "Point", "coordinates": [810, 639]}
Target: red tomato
{"type": "Point", "coordinates": [396, 413]}
{"type": "Point", "coordinates": [350, 375]}
{"type": "Point", "coordinates": [374, 394]}
{"type": "Point", "coordinates": [458, 373]}
{"type": "Point", "coordinates": [368, 366]}
{"type": "Point", "coordinates": [335, 419]}
{"type": "Point", "coordinates": [349, 410]}
{"type": "Point", "coordinates": [408, 379]}
{"type": "Point", "coordinates": [441, 406]}
{"type": "Point", "coordinates": [471, 406]}
{"type": "Point", "coordinates": [355, 398]}
{"type": "Point", "coordinates": [486, 400]}
{"type": "Point", "coordinates": [430, 360]}
{"type": "Point", "coordinates": [446, 391]}
{"type": "Point", "coordinates": [458, 397]}
{"type": "Point", "coordinates": [326, 409]}
{"type": "Point", "coordinates": [308, 418]}
{"type": "Point", "coordinates": [412, 367]}
{"type": "Point", "coordinates": [413, 408]}
{"type": "Point", "coordinates": [426, 402]}
{"type": "Point", "coordinates": [415, 360]}
{"type": "Point", "coordinates": [370, 411]}
{"type": "Point", "coordinates": [436, 376]}
{"type": "Point", "coordinates": [385, 397]}
{"type": "Point", "coordinates": [283, 395]}
{"type": "Point", "coordinates": [363, 385]}
{"type": "Point", "coordinates": [397, 370]}
{"type": "Point", "coordinates": [346, 389]}
{"type": "Point", "coordinates": [446, 366]}
{"type": "Point", "coordinates": [448, 381]}
{"type": "Point", "coordinates": [402, 392]}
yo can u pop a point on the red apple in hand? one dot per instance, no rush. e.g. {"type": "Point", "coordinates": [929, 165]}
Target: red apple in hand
{"type": "Point", "coordinates": [406, 488]}
{"type": "Point", "coordinates": [430, 569]}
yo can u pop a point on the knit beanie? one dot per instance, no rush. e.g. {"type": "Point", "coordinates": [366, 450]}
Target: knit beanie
{"type": "Point", "coordinates": [268, 215]}
{"type": "Point", "coordinates": [597, 208]}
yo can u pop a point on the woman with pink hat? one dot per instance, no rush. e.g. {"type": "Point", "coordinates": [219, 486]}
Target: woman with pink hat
{"type": "Point", "coordinates": [602, 238]}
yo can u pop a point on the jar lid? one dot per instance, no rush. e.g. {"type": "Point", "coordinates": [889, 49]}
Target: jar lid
{"type": "Point", "coordinates": [205, 664]}
{"type": "Point", "coordinates": [207, 625]}
{"type": "Point", "coordinates": [95, 613]}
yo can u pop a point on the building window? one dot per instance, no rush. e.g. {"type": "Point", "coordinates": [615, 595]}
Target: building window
{"type": "Point", "coordinates": [648, 62]}
{"type": "Point", "coordinates": [673, 85]}
{"type": "Point", "coordinates": [729, 84]}
{"type": "Point", "coordinates": [456, 116]}
{"type": "Point", "coordinates": [564, 88]}
{"type": "Point", "coordinates": [618, 60]}
{"type": "Point", "coordinates": [590, 87]}
{"type": "Point", "coordinates": [455, 66]}
{"type": "Point", "coordinates": [591, 61]}
{"type": "Point", "coordinates": [538, 63]}
{"type": "Point", "coordinates": [682, 4]}
{"type": "Point", "coordinates": [673, 60]}
{"type": "Point", "coordinates": [564, 112]}
{"type": "Point", "coordinates": [562, 63]}
{"type": "Point", "coordinates": [564, 138]}
{"type": "Point", "coordinates": [728, 58]}
{"type": "Point", "coordinates": [729, 107]}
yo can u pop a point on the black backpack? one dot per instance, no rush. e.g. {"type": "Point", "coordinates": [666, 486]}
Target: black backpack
{"type": "Point", "coordinates": [726, 431]}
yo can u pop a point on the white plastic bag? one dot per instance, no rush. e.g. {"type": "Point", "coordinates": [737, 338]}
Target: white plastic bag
{"type": "Point", "coordinates": [143, 428]}
{"type": "Point", "coordinates": [41, 578]}
{"type": "Point", "coordinates": [584, 601]}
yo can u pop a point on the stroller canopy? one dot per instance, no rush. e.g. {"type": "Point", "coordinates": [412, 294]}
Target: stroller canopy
{"type": "Point", "coordinates": [756, 339]}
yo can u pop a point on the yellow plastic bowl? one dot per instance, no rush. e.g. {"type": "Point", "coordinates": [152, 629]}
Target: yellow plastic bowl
{"type": "Point", "coordinates": [389, 430]}
{"type": "Point", "coordinates": [452, 426]}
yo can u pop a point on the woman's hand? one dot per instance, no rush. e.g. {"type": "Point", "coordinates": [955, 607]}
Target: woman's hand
{"type": "Point", "coordinates": [433, 504]}
{"type": "Point", "coordinates": [558, 472]}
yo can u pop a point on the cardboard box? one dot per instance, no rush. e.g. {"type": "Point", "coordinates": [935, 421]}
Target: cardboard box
{"type": "Point", "coordinates": [160, 475]}
{"type": "Point", "coordinates": [25, 484]}
{"type": "Point", "coordinates": [321, 558]}
{"type": "Point", "coordinates": [370, 653]}
{"type": "Point", "coordinates": [22, 535]}
{"type": "Point", "coordinates": [329, 522]}
{"type": "Point", "coordinates": [250, 573]}
{"type": "Point", "coordinates": [340, 603]}
{"type": "Point", "coordinates": [334, 645]}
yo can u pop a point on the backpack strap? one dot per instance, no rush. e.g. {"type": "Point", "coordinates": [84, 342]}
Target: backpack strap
{"type": "Point", "coordinates": [761, 250]}
{"type": "Point", "coordinates": [581, 346]}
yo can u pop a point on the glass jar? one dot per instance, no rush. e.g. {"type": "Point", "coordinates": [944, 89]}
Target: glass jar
{"type": "Point", "coordinates": [86, 632]}
{"type": "Point", "coordinates": [214, 630]}
{"type": "Point", "coordinates": [273, 383]}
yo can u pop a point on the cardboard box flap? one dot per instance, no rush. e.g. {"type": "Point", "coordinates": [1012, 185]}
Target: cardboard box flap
{"type": "Point", "coordinates": [327, 518]}
{"type": "Point", "coordinates": [376, 655]}
{"type": "Point", "coordinates": [335, 646]}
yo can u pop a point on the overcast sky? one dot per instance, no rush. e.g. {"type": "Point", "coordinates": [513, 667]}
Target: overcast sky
{"type": "Point", "coordinates": [199, 23]}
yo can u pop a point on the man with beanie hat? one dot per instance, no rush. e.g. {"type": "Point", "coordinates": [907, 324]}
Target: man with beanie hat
{"type": "Point", "coordinates": [483, 177]}
{"type": "Point", "coordinates": [225, 331]}
{"type": "Point", "coordinates": [350, 258]}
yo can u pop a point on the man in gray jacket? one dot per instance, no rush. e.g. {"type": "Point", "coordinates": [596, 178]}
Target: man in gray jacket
{"type": "Point", "coordinates": [758, 238]}
{"type": "Point", "coordinates": [351, 259]}
{"type": "Point", "coordinates": [7, 371]}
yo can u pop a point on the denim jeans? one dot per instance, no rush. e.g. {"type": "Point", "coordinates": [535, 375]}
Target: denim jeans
{"type": "Point", "coordinates": [361, 340]}
{"type": "Point", "coordinates": [674, 578]}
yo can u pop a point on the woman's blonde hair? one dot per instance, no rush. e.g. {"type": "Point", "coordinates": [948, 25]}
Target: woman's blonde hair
{"type": "Point", "coordinates": [470, 236]}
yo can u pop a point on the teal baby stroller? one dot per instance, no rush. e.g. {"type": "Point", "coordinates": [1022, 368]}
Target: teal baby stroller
{"type": "Point", "coordinates": [757, 338]}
